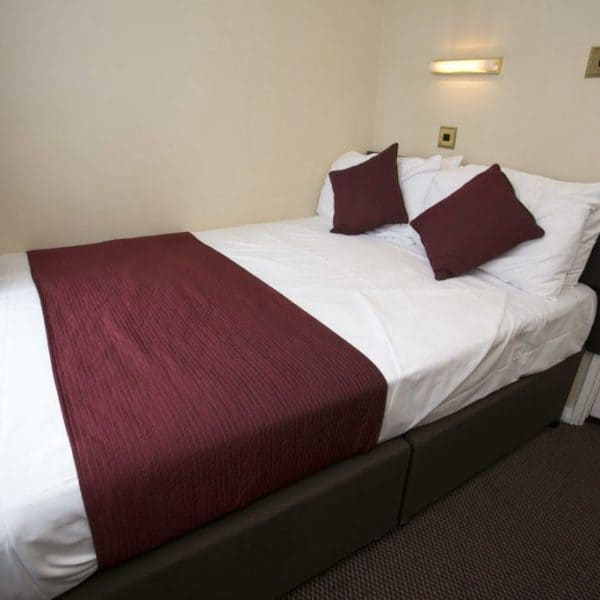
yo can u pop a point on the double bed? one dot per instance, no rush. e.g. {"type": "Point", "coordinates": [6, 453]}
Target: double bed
{"type": "Point", "coordinates": [473, 368]}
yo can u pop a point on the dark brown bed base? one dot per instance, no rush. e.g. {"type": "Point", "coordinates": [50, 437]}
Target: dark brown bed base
{"type": "Point", "coordinates": [280, 541]}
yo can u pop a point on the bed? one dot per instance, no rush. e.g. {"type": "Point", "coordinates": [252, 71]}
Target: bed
{"type": "Point", "coordinates": [508, 361]}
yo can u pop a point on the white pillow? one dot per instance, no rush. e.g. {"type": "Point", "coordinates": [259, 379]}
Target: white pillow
{"type": "Point", "coordinates": [451, 162]}
{"type": "Point", "coordinates": [415, 176]}
{"type": "Point", "coordinates": [416, 206]}
{"type": "Point", "coordinates": [538, 266]}
{"type": "Point", "coordinates": [580, 194]}
{"type": "Point", "coordinates": [586, 194]}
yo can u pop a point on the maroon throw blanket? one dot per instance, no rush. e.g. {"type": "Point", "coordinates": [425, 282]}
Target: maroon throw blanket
{"type": "Point", "coordinates": [189, 387]}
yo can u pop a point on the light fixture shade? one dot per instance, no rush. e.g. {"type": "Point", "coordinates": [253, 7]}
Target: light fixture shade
{"type": "Point", "coordinates": [484, 66]}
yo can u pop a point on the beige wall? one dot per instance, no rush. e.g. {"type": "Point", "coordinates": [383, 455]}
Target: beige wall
{"type": "Point", "coordinates": [541, 115]}
{"type": "Point", "coordinates": [125, 117]}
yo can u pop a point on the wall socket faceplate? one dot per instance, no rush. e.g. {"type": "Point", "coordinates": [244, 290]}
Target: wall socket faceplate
{"type": "Point", "coordinates": [593, 67]}
{"type": "Point", "coordinates": [447, 137]}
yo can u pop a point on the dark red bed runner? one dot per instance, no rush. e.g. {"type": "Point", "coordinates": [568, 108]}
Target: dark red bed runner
{"type": "Point", "coordinates": [189, 387]}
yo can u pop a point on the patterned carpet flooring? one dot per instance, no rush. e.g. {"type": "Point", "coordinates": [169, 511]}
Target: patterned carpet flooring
{"type": "Point", "coordinates": [527, 528]}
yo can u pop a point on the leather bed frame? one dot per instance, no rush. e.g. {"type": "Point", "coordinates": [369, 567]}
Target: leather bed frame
{"type": "Point", "coordinates": [278, 542]}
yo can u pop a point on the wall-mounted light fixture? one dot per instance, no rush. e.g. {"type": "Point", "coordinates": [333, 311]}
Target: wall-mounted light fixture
{"type": "Point", "coordinates": [484, 66]}
{"type": "Point", "coordinates": [593, 68]}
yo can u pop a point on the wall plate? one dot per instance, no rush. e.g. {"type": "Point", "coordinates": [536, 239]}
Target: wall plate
{"type": "Point", "coordinates": [447, 137]}
{"type": "Point", "coordinates": [593, 67]}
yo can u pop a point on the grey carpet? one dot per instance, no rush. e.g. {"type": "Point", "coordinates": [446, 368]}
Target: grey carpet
{"type": "Point", "coordinates": [529, 527]}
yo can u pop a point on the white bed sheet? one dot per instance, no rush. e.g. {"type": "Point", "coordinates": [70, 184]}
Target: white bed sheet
{"type": "Point", "coordinates": [440, 346]}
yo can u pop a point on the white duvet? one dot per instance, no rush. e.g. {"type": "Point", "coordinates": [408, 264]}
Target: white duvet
{"type": "Point", "coordinates": [440, 346]}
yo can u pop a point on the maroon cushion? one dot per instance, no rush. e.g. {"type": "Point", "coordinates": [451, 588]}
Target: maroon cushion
{"type": "Point", "coordinates": [368, 195]}
{"type": "Point", "coordinates": [476, 223]}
